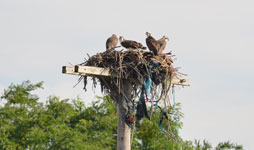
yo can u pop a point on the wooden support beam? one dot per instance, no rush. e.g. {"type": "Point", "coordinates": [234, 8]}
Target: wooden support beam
{"type": "Point", "coordinates": [97, 71]}
{"type": "Point", "coordinates": [89, 70]}
{"type": "Point", "coordinates": [123, 130]}
{"type": "Point", "coordinates": [69, 70]}
{"type": "Point", "coordinates": [178, 81]}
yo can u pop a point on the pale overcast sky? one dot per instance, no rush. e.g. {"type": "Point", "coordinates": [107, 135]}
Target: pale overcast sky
{"type": "Point", "coordinates": [212, 40]}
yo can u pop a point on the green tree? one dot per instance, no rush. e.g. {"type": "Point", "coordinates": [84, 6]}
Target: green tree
{"type": "Point", "coordinates": [59, 124]}
{"type": "Point", "coordinates": [26, 123]}
{"type": "Point", "coordinates": [228, 145]}
{"type": "Point", "coordinates": [149, 134]}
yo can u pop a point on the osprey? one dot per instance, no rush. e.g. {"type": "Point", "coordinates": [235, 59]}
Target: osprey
{"type": "Point", "coordinates": [163, 43]}
{"type": "Point", "coordinates": [130, 44]}
{"type": "Point", "coordinates": [152, 44]}
{"type": "Point", "coordinates": [111, 42]}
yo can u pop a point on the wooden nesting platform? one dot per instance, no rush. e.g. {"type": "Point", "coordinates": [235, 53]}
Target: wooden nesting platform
{"type": "Point", "coordinates": [98, 71]}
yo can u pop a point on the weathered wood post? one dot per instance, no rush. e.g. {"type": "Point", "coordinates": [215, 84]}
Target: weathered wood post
{"type": "Point", "coordinates": [123, 131]}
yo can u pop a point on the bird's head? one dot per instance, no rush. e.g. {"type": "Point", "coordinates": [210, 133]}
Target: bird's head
{"type": "Point", "coordinates": [166, 38]}
{"type": "Point", "coordinates": [121, 39]}
{"type": "Point", "coordinates": [148, 34]}
{"type": "Point", "coordinates": [113, 35]}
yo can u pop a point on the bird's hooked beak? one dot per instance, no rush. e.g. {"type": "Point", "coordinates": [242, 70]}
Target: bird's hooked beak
{"type": "Point", "coordinates": [166, 38]}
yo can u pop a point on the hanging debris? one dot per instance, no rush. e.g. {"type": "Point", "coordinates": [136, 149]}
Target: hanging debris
{"type": "Point", "coordinates": [150, 76]}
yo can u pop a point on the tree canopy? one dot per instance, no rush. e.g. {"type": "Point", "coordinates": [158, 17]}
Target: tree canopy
{"type": "Point", "coordinates": [26, 123]}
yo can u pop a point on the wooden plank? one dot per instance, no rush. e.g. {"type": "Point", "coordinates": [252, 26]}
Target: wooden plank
{"type": "Point", "coordinates": [97, 71]}
{"type": "Point", "coordinates": [69, 70]}
{"type": "Point", "coordinates": [89, 70]}
{"type": "Point", "coordinates": [178, 81]}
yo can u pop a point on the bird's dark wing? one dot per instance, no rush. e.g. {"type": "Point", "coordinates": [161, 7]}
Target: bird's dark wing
{"type": "Point", "coordinates": [132, 44]}
{"type": "Point", "coordinates": [138, 45]}
{"type": "Point", "coordinates": [152, 44]}
{"type": "Point", "coordinates": [126, 44]}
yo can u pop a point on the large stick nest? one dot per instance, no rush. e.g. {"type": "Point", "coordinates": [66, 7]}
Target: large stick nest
{"type": "Point", "coordinates": [145, 75]}
{"type": "Point", "coordinates": [132, 64]}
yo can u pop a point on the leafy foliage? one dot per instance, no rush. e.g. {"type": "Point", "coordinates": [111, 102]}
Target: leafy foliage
{"type": "Point", "coordinates": [26, 123]}
{"type": "Point", "coordinates": [228, 145]}
{"type": "Point", "coordinates": [59, 124]}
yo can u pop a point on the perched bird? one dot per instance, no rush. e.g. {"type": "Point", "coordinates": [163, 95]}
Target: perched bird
{"type": "Point", "coordinates": [111, 42]}
{"type": "Point", "coordinates": [130, 44]}
{"type": "Point", "coordinates": [163, 43]}
{"type": "Point", "coordinates": [152, 44]}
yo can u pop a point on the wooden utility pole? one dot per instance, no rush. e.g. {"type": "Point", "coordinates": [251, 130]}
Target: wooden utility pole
{"type": "Point", "coordinates": [123, 131]}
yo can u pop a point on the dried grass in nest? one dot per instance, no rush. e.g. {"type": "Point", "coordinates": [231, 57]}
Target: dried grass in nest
{"type": "Point", "coordinates": [136, 66]}
{"type": "Point", "coordinates": [132, 64]}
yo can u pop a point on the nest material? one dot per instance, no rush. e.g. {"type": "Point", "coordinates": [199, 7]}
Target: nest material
{"type": "Point", "coordinates": [146, 75]}
{"type": "Point", "coordinates": [132, 64]}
